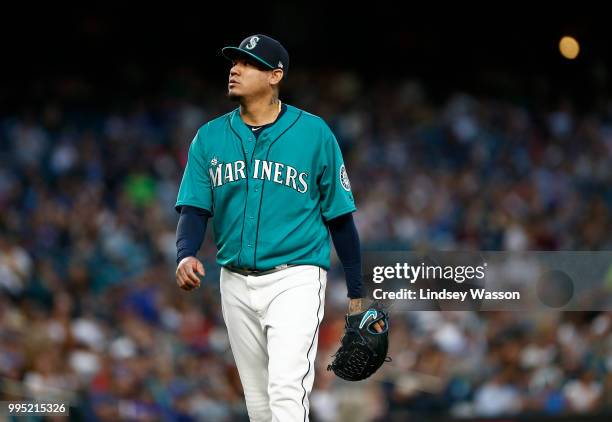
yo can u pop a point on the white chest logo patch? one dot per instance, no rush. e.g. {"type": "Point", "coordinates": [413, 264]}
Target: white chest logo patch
{"type": "Point", "coordinates": [252, 43]}
{"type": "Point", "coordinates": [344, 180]}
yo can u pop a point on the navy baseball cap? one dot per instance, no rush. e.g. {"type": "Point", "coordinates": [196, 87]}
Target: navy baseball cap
{"type": "Point", "coordinates": [265, 50]}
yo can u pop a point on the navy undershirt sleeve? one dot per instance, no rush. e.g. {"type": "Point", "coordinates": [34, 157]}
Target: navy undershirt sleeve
{"type": "Point", "coordinates": [190, 231]}
{"type": "Point", "coordinates": [346, 241]}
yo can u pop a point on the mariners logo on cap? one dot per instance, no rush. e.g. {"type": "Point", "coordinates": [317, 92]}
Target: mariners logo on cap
{"type": "Point", "coordinates": [252, 43]}
{"type": "Point", "coordinates": [344, 180]}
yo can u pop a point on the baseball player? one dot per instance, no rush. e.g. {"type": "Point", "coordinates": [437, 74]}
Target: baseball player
{"type": "Point", "coordinates": [272, 178]}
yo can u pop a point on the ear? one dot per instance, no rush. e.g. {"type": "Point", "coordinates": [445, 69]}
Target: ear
{"type": "Point", "coordinates": [276, 76]}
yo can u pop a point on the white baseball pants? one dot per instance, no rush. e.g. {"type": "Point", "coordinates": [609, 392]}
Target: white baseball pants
{"type": "Point", "coordinates": [273, 325]}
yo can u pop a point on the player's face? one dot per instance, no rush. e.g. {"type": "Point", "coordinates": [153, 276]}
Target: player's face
{"type": "Point", "coordinates": [247, 80]}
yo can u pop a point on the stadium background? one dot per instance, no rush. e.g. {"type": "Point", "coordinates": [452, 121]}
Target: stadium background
{"type": "Point", "coordinates": [459, 131]}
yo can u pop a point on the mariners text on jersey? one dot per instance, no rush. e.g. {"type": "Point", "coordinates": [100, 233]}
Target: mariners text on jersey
{"type": "Point", "coordinates": [264, 170]}
{"type": "Point", "coordinates": [270, 196]}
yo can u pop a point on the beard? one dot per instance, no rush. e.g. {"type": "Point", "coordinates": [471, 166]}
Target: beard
{"type": "Point", "coordinates": [234, 97]}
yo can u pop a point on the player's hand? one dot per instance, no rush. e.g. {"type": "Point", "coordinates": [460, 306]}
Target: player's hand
{"type": "Point", "coordinates": [356, 306]}
{"type": "Point", "coordinates": [379, 326]}
{"type": "Point", "coordinates": [188, 273]}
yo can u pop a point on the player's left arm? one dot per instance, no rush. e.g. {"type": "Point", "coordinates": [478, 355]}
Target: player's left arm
{"type": "Point", "coordinates": [346, 241]}
{"type": "Point", "coordinates": [337, 206]}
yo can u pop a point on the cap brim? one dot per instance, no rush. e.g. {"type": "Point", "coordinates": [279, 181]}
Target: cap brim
{"type": "Point", "coordinates": [232, 53]}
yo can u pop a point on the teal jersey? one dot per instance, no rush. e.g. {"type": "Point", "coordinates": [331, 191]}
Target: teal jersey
{"type": "Point", "coordinates": [269, 197]}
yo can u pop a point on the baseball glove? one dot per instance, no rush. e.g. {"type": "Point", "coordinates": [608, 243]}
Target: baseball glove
{"type": "Point", "coordinates": [363, 350]}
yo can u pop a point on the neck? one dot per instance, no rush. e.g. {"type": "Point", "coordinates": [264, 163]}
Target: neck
{"type": "Point", "coordinates": [260, 111]}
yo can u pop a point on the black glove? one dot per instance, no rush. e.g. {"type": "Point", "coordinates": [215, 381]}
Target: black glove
{"type": "Point", "coordinates": [363, 350]}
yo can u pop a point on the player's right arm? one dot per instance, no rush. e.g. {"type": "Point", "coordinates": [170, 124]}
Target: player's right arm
{"type": "Point", "coordinates": [194, 203]}
{"type": "Point", "coordinates": [188, 273]}
{"type": "Point", "coordinates": [190, 233]}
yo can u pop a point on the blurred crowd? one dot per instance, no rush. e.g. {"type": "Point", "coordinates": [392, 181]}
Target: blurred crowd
{"type": "Point", "coordinates": [90, 312]}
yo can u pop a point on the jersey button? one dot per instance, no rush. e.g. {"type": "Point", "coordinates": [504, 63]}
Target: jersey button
{"type": "Point", "coordinates": [249, 245]}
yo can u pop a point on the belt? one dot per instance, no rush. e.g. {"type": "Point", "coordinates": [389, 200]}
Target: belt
{"type": "Point", "coordinates": [257, 273]}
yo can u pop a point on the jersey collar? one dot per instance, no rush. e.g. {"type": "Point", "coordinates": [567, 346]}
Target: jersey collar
{"type": "Point", "coordinates": [270, 133]}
